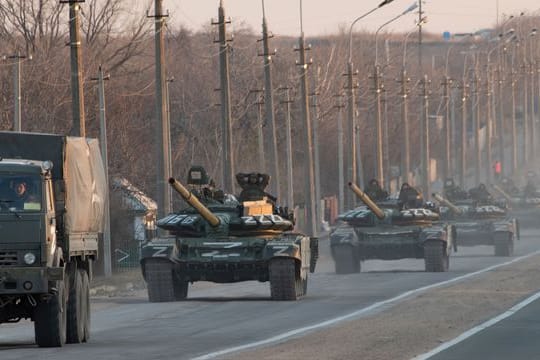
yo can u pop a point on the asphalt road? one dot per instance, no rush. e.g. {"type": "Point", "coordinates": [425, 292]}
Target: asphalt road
{"type": "Point", "coordinates": [217, 317]}
{"type": "Point", "coordinates": [515, 337]}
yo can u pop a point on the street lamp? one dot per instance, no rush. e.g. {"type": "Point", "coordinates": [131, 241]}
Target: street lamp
{"type": "Point", "coordinates": [408, 10]}
{"type": "Point", "coordinates": [405, 155]}
{"type": "Point", "coordinates": [413, 31]}
{"type": "Point", "coordinates": [382, 152]}
{"type": "Point", "coordinates": [351, 113]}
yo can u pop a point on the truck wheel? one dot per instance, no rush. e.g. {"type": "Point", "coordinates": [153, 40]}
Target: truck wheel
{"type": "Point", "coordinates": [345, 260]}
{"type": "Point", "coordinates": [436, 258]}
{"type": "Point", "coordinates": [159, 279]}
{"type": "Point", "coordinates": [85, 304]}
{"type": "Point", "coordinates": [75, 313]}
{"type": "Point", "coordinates": [180, 289]}
{"type": "Point", "coordinates": [50, 318]}
{"type": "Point", "coordinates": [283, 282]}
{"type": "Point", "coordinates": [504, 245]}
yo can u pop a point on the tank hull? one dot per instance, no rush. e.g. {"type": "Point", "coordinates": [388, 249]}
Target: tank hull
{"type": "Point", "coordinates": [389, 242]}
{"type": "Point", "coordinates": [229, 260]}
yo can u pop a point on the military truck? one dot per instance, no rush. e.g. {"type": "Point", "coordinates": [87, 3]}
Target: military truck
{"type": "Point", "coordinates": [224, 239]}
{"type": "Point", "coordinates": [50, 232]}
{"type": "Point", "coordinates": [480, 224]}
{"type": "Point", "coordinates": [386, 232]}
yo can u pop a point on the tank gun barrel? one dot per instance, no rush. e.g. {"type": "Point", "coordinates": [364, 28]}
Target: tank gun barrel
{"type": "Point", "coordinates": [194, 202]}
{"type": "Point", "coordinates": [447, 203]}
{"type": "Point", "coordinates": [366, 200]}
{"type": "Point", "coordinates": [502, 192]}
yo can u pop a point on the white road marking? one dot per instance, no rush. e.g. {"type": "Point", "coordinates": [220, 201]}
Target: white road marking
{"type": "Point", "coordinates": [357, 313]}
{"type": "Point", "coordinates": [467, 334]}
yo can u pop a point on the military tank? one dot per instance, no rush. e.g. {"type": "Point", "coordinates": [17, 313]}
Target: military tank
{"type": "Point", "coordinates": [524, 205]}
{"type": "Point", "coordinates": [224, 239]}
{"type": "Point", "coordinates": [384, 231]}
{"type": "Point", "coordinates": [480, 224]}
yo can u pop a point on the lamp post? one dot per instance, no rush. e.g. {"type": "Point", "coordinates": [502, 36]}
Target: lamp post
{"type": "Point", "coordinates": [532, 124]}
{"type": "Point", "coordinates": [406, 150]}
{"type": "Point", "coordinates": [309, 190]}
{"type": "Point", "coordinates": [355, 169]}
{"type": "Point", "coordinates": [448, 135]}
{"type": "Point", "coordinates": [382, 151]}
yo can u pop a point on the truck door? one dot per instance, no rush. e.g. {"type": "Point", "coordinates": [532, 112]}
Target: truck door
{"type": "Point", "coordinates": [50, 221]}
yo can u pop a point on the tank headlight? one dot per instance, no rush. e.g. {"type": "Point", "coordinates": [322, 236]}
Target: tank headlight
{"type": "Point", "coordinates": [29, 258]}
{"type": "Point", "coordinates": [47, 165]}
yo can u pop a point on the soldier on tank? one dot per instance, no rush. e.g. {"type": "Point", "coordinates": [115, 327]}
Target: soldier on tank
{"type": "Point", "coordinates": [480, 195]}
{"type": "Point", "coordinates": [409, 197]}
{"type": "Point", "coordinates": [375, 191]}
{"type": "Point", "coordinates": [453, 192]}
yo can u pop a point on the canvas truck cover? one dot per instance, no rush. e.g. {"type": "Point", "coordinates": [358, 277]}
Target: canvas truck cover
{"type": "Point", "coordinates": [75, 160]}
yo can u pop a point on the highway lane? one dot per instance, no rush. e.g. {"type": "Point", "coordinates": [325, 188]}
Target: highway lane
{"type": "Point", "coordinates": [515, 337]}
{"type": "Point", "coordinates": [222, 316]}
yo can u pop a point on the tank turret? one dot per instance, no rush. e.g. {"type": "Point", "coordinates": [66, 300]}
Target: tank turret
{"type": "Point", "coordinates": [448, 204]}
{"type": "Point", "coordinates": [367, 200]}
{"type": "Point", "coordinates": [192, 200]}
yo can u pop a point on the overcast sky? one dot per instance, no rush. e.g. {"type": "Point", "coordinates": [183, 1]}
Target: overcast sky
{"type": "Point", "coordinates": [327, 16]}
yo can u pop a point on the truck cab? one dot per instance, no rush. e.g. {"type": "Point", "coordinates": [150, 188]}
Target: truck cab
{"type": "Point", "coordinates": [29, 256]}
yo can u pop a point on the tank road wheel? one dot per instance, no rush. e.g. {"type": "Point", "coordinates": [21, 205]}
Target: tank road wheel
{"type": "Point", "coordinates": [436, 259]}
{"type": "Point", "coordinates": [50, 318]}
{"type": "Point", "coordinates": [85, 304]}
{"type": "Point", "coordinates": [283, 282]}
{"type": "Point", "coordinates": [159, 279]}
{"type": "Point", "coordinates": [180, 289]}
{"type": "Point", "coordinates": [345, 260]}
{"type": "Point", "coordinates": [504, 244]}
{"type": "Point", "coordinates": [75, 313]}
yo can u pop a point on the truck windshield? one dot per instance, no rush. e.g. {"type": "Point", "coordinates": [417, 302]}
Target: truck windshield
{"type": "Point", "coordinates": [20, 193]}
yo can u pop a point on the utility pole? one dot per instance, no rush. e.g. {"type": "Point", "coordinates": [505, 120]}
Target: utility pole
{"type": "Point", "coordinates": [532, 126]}
{"type": "Point", "coordinates": [447, 169]}
{"type": "Point", "coordinates": [167, 131]}
{"type": "Point", "coordinates": [538, 103]}
{"type": "Point", "coordinates": [260, 135]}
{"type": "Point", "coordinates": [269, 109]}
{"type": "Point", "coordinates": [424, 138]}
{"type": "Point", "coordinates": [454, 133]}
{"type": "Point", "coordinates": [351, 121]}
{"type": "Point", "coordinates": [475, 112]}
{"type": "Point", "coordinates": [526, 132]}
{"type": "Point", "coordinates": [107, 255]}
{"type": "Point", "coordinates": [500, 119]}
{"type": "Point", "coordinates": [463, 147]}
{"type": "Point", "coordinates": [377, 87]}
{"type": "Point", "coordinates": [17, 89]}
{"type": "Point", "coordinates": [77, 94]}
{"type": "Point", "coordinates": [290, 179]}
{"type": "Point", "coordinates": [316, 159]}
{"type": "Point", "coordinates": [405, 152]}
{"type": "Point", "coordinates": [420, 23]}
{"type": "Point", "coordinates": [162, 137]}
{"type": "Point", "coordinates": [489, 126]}
{"type": "Point", "coordinates": [341, 164]}
{"type": "Point", "coordinates": [226, 116]}
{"type": "Point", "coordinates": [513, 134]}
{"type": "Point", "coordinates": [309, 190]}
